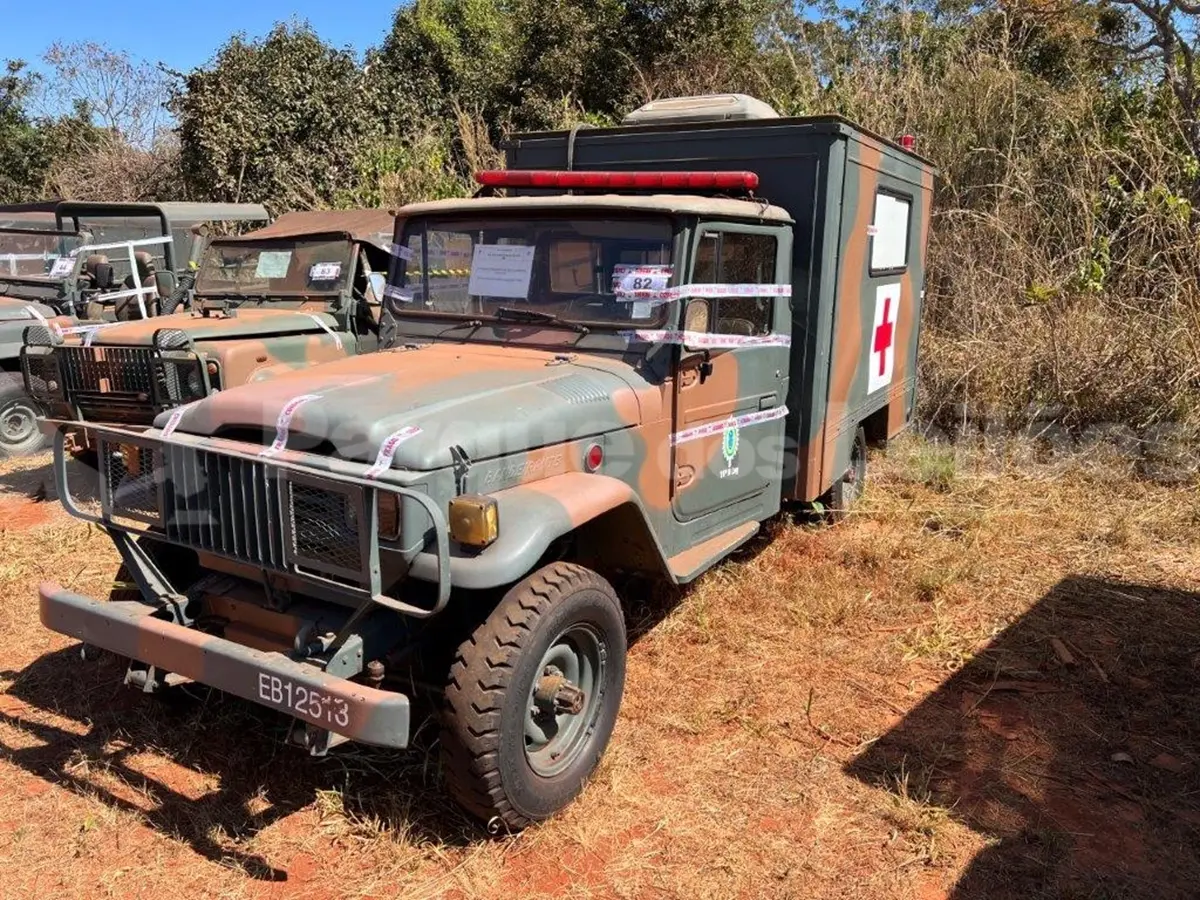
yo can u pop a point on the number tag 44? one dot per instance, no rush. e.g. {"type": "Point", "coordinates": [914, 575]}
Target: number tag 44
{"type": "Point", "coordinates": [299, 700]}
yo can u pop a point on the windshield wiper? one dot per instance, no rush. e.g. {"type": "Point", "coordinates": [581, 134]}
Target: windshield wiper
{"type": "Point", "coordinates": [533, 315]}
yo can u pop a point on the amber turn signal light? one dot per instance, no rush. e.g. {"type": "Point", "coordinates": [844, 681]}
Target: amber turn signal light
{"type": "Point", "coordinates": [474, 520]}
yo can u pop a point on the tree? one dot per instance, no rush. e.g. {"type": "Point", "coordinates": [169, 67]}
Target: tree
{"type": "Point", "coordinates": [124, 97]}
{"type": "Point", "coordinates": [23, 152]}
{"type": "Point", "coordinates": [278, 121]}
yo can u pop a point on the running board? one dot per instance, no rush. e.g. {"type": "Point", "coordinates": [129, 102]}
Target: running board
{"type": "Point", "coordinates": [689, 564]}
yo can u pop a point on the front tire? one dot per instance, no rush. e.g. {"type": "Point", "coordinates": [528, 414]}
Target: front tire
{"type": "Point", "coordinates": [19, 431]}
{"type": "Point", "coordinates": [533, 696]}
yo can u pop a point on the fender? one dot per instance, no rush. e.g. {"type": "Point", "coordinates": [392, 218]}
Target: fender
{"type": "Point", "coordinates": [532, 517]}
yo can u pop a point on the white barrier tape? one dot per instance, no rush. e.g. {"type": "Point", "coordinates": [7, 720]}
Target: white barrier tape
{"type": "Point", "coordinates": [30, 312]}
{"type": "Point", "coordinates": [176, 417]}
{"type": "Point", "coordinates": [710, 428]}
{"type": "Point", "coordinates": [387, 450]}
{"type": "Point", "coordinates": [88, 331]}
{"type": "Point", "coordinates": [333, 334]}
{"type": "Point", "coordinates": [710, 341]}
{"type": "Point", "coordinates": [703, 291]}
{"type": "Point", "coordinates": [285, 419]}
{"type": "Point", "coordinates": [133, 292]}
{"type": "Point", "coordinates": [121, 245]}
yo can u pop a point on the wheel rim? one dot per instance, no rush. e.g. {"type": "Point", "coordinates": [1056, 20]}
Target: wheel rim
{"type": "Point", "coordinates": [554, 739]}
{"type": "Point", "coordinates": [18, 422]}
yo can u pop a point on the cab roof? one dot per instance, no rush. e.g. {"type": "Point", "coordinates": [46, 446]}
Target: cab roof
{"type": "Point", "coordinates": [374, 226]}
{"type": "Point", "coordinates": [669, 204]}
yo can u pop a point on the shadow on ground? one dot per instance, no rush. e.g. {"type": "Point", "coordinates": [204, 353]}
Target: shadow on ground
{"type": "Point", "coordinates": [242, 747]}
{"type": "Point", "coordinates": [1073, 742]}
{"type": "Point", "coordinates": [261, 779]}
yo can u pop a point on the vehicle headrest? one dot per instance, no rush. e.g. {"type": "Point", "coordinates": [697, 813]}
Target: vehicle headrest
{"type": "Point", "coordinates": [145, 263]}
{"type": "Point", "coordinates": [90, 264]}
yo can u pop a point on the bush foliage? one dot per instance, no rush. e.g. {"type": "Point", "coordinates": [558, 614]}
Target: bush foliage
{"type": "Point", "coordinates": [1063, 254]}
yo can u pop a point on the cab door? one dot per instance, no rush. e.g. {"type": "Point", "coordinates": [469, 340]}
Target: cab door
{"type": "Point", "coordinates": [733, 372]}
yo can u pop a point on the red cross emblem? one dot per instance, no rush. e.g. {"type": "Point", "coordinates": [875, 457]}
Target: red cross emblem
{"type": "Point", "coordinates": [883, 337]}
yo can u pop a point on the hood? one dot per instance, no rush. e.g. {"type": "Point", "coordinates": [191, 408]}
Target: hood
{"type": "Point", "coordinates": [14, 308]}
{"type": "Point", "coordinates": [248, 323]}
{"type": "Point", "coordinates": [490, 400]}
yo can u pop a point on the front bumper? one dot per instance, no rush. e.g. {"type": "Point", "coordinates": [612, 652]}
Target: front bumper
{"type": "Point", "coordinates": [131, 629]}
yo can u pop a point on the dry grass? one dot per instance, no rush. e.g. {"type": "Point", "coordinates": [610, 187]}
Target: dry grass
{"type": "Point", "coordinates": [828, 714]}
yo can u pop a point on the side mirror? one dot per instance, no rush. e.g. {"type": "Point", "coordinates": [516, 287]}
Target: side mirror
{"type": "Point", "coordinates": [376, 282]}
{"type": "Point", "coordinates": [695, 315]}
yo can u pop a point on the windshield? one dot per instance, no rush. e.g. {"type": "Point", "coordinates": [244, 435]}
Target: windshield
{"type": "Point", "coordinates": [593, 270]}
{"type": "Point", "coordinates": [275, 267]}
{"type": "Point", "coordinates": [37, 255]}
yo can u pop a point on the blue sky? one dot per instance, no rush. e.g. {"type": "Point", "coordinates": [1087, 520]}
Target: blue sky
{"type": "Point", "coordinates": [181, 34]}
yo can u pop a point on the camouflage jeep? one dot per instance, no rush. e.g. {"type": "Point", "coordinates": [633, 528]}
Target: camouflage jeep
{"type": "Point", "coordinates": [298, 292]}
{"type": "Point", "coordinates": [76, 265]}
{"type": "Point", "coordinates": [625, 366]}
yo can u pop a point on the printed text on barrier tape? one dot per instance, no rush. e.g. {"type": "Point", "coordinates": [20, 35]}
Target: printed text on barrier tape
{"type": "Point", "coordinates": [387, 450]}
{"type": "Point", "coordinates": [176, 416]}
{"type": "Point", "coordinates": [720, 427]}
{"type": "Point", "coordinates": [333, 334]}
{"type": "Point", "coordinates": [284, 421]}
{"type": "Point", "coordinates": [710, 341]}
{"type": "Point", "coordinates": [703, 291]}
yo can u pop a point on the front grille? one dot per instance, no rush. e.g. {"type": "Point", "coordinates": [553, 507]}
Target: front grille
{"type": "Point", "coordinates": [325, 528]}
{"type": "Point", "coordinates": [130, 482]}
{"type": "Point", "coordinates": [225, 505]}
{"type": "Point", "coordinates": [129, 385]}
{"type": "Point", "coordinates": [108, 370]}
{"type": "Point", "coordinates": [40, 373]}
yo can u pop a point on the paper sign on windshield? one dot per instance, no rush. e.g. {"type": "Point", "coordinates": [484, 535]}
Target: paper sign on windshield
{"type": "Point", "coordinates": [63, 266]}
{"type": "Point", "coordinates": [330, 271]}
{"type": "Point", "coordinates": [273, 264]}
{"type": "Point", "coordinates": [501, 270]}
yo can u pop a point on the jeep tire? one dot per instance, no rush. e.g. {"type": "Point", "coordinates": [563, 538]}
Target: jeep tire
{"type": "Point", "coordinates": [513, 749]}
{"type": "Point", "coordinates": [20, 434]}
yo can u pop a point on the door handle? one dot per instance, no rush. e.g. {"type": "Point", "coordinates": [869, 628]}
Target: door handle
{"type": "Point", "coordinates": [766, 401]}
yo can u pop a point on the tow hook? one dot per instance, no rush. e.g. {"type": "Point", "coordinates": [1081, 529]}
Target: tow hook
{"type": "Point", "coordinates": [554, 694]}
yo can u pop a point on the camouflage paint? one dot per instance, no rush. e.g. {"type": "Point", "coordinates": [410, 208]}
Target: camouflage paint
{"type": "Point", "coordinates": [512, 411]}
{"type": "Point", "coordinates": [262, 338]}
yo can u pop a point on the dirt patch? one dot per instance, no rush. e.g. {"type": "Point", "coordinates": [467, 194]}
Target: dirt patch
{"type": "Point", "coordinates": [871, 710]}
{"type": "Point", "coordinates": [19, 514]}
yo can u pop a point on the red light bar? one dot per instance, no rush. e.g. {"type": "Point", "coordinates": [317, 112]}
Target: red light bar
{"type": "Point", "coordinates": [638, 181]}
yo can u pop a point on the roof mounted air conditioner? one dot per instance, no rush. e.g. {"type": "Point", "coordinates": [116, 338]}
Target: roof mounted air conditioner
{"type": "Point", "coordinates": [707, 108]}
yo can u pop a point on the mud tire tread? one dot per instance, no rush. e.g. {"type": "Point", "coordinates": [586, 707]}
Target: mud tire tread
{"type": "Point", "coordinates": [482, 670]}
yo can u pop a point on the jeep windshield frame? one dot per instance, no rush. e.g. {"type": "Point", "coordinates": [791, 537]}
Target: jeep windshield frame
{"type": "Point", "coordinates": [562, 263]}
{"type": "Point", "coordinates": [277, 267]}
{"type": "Point", "coordinates": [23, 252]}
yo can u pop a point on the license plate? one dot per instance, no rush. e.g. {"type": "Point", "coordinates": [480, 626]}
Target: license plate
{"type": "Point", "coordinates": [303, 701]}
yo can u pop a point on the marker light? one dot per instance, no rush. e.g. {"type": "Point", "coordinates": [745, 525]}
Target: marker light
{"type": "Point", "coordinates": [593, 458]}
{"type": "Point", "coordinates": [639, 181]}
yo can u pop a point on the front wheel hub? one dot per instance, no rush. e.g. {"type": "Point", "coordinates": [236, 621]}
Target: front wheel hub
{"type": "Point", "coordinates": [553, 694]}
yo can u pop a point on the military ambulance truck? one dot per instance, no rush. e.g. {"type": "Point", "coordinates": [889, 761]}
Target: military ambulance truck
{"type": "Point", "coordinates": [661, 334]}
{"type": "Point", "coordinates": [300, 291]}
